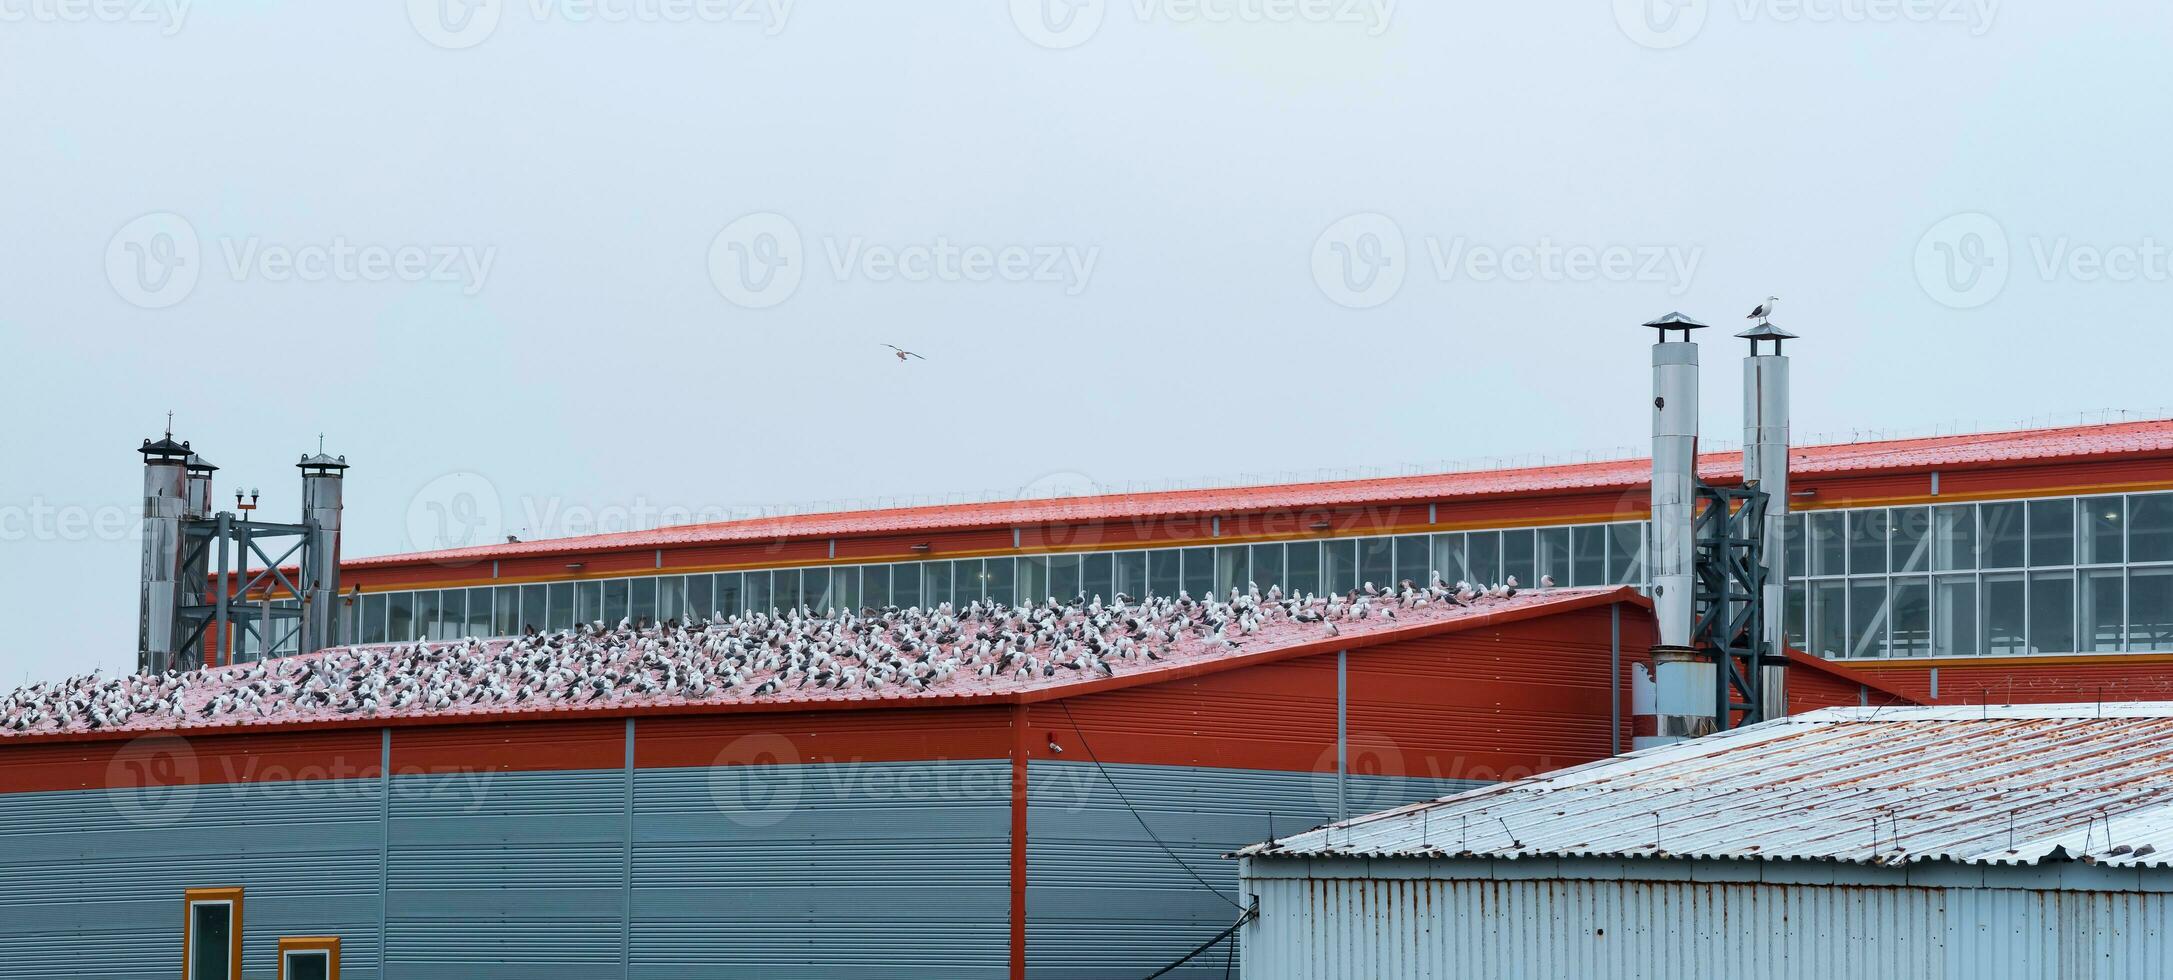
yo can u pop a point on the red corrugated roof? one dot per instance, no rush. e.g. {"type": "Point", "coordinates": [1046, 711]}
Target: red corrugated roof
{"type": "Point", "coordinates": [1938, 452]}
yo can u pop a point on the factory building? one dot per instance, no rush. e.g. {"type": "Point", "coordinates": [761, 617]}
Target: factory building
{"type": "Point", "coordinates": [1054, 827]}
{"type": "Point", "coordinates": [1973, 843]}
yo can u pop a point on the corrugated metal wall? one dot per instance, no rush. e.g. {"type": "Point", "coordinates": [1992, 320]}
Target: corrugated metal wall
{"type": "Point", "coordinates": [1104, 900]}
{"type": "Point", "coordinates": [1409, 928]}
{"type": "Point", "coordinates": [91, 882]}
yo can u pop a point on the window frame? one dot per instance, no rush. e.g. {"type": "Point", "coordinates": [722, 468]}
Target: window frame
{"type": "Point", "coordinates": [190, 899]}
{"type": "Point", "coordinates": [328, 946]}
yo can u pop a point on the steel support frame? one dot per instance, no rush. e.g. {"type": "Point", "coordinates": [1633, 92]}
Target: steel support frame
{"type": "Point", "coordinates": [222, 615]}
{"type": "Point", "coordinates": [1729, 600]}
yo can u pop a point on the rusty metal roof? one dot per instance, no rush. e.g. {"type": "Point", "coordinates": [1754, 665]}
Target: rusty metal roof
{"type": "Point", "coordinates": [1970, 785]}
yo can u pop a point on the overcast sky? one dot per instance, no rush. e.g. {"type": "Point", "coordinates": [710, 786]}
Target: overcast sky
{"type": "Point", "coordinates": [638, 259]}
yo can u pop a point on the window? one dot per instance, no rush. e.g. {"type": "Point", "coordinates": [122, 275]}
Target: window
{"type": "Point", "coordinates": [373, 618]}
{"type": "Point", "coordinates": [1376, 564]}
{"type": "Point", "coordinates": [2052, 533]}
{"type": "Point", "coordinates": [2103, 613]}
{"type": "Point", "coordinates": [1231, 571]}
{"type": "Point", "coordinates": [425, 605]}
{"type": "Point", "coordinates": [1999, 545]}
{"type": "Point", "coordinates": [1626, 553]}
{"type": "Point", "coordinates": [1064, 575]}
{"type": "Point", "coordinates": [701, 596]}
{"type": "Point", "coordinates": [1267, 565]}
{"type": "Point", "coordinates": [1484, 557]}
{"type": "Point", "coordinates": [1954, 622]}
{"type": "Point", "coordinates": [2004, 614]}
{"type": "Point", "coordinates": [1302, 558]}
{"type": "Point", "coordinates": [1162, 574]}
{"type": "Point", "coordinates": [614, 608]}
{"type": "Point", "coordinates": [642, 601]}
{"type": "Point", "coordinates": [1954, 537]}
{"type": "Point", "coordinates": [479, 612]}
{"type": "Point", "coordinates": [2150, 527]}
{"type": "Point", "coordinates": [1449, 558]}
{"type": "Point", "coordinates": [1131, 575]}
{"type": "Point", "coordinates": [1553, 555]}
{"type": "Point", "coordinates": [506, 611]}
{"type": "Point", "coordinates": [671, 598]}
{"type": "Point", "coordinates": [815, 589]}
{"type": "Point", "coordinates": [2100, 531]}
{"type": "Point", "coordinates": [1100, 576]}
{"type": "Point", "coordinates": [1199, 569]}
{"type": "Point", "coordinates": [309, 958]}
{"type": "Point", "coordinates": [559, 610]}
{"type": "Point", "coordinates": [1829, 618]}
{"type": "Point", "coordinates": [1003, 585]}
{"type": "Point", "coordinates": [1828, 544]}
{"type": "Point", "coordinates": [1034, 576]}
{"type": "Point", "coordinates": [1867, 617]}
{"type": "Point", "coordinates": [2150, 610]}
{"type": "Point", "coordinates": [875, 582]}
{"type": "Point", "coordinates": [1518, 558]}
{"type": "Point", "coordinates": [1910, 613]}
{"type": "Point", "coordinates": [211, 938]}
{"type": "Point", "coordinates": [1414, 560]}
{"type": "Point", "coordinates": [1587, 556]}
{"type": "Point", "coordinates": [1867, 541]}
{"type": "Point", "coordinates": [1909, 532]}
{"type": "Point", "coordinates": [2052, 612]}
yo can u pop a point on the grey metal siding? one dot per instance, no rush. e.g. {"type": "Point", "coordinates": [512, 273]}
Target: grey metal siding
{"type": "Point", "coordinates": [848, 870]}
{"type": "Point", "coordinates": [1104, 900]}
{"type": "Point", "coordinates": [91, 882]}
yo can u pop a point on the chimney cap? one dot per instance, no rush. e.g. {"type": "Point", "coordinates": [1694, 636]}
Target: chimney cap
{"type": "Point", "coordinates": [1674, 321]}
{"type": "Point", "coordinates": [1765, 330]}
{"type": "Point", "coordinates": [198, 464]}
{"type": "Point", "coordinates": [164, 449]}
{"type": "Point", "coordinates": [321, 463]}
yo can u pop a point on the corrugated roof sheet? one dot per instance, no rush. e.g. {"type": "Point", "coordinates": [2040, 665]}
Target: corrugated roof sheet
{"type": "Point", "coordinates": [1974, 785]}
{"type": "Point", "coordinates": [1949, 452]}
{"type": "Point", "coordinates": [1189, 656]}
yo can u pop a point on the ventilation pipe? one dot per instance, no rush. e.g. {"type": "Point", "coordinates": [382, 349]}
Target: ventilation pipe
{"type": "Point", "coordinates": [322, 485]}
{"type": "Point", "coordinates": [1765, 463]}
{"type": "Point", "coordinates": [1683, 682]}
{"type": "Point", "coordinates": [165, 502]}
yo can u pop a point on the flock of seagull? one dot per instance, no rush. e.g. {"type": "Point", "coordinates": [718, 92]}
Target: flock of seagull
{"type": "Point", "coordinates": [871, 652]}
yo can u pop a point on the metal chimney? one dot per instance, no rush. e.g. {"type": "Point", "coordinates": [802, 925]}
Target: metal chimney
{"type": "Point", "coordinates": [1765, 463]}
{"type": "Point", "coordinates": [1683, 682]}
{"type": "Point", "coordinates": [165, 501]}
{"type": "Point", "coordinates": [322, 492]}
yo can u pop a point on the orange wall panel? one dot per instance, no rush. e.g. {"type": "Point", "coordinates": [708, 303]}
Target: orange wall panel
{"type": "Point", "coordinates": [896, 735]}
{"type": "Point", "coordinates": [189, 761]}
{"type": "Point", "coordinates": [510, 747]}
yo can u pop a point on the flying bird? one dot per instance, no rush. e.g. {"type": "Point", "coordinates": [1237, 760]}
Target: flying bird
{"type": "Point", "coordinates": [902, 352]}
{"type": "Point", "coordinates": [1764, 310]}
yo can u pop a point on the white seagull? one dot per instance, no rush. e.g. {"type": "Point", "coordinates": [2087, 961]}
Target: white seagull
{"type": "Point", "coordinates": [902, 352]}
{"type": "Point", "coordinates": [1764, 310]}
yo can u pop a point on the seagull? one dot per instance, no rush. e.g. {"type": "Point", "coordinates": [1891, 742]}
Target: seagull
{"type": "Point", "coordinates": [1763, 310]}
{"type": "Point", "coordinates": [902, 352]}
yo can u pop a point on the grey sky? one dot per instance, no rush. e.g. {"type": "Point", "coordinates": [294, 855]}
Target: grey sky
{"type": "Point", "coordinates": [1124, 255]}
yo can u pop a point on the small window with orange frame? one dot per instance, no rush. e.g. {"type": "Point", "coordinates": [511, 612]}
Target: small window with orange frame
{"type": "Point", "coordinates": [309, 958]}
{"type": "Point", "coordinates": [211, 934]}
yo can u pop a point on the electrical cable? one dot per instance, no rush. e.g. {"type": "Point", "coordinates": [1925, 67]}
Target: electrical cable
{"type": "Point", "coordinates": [1083, 743]}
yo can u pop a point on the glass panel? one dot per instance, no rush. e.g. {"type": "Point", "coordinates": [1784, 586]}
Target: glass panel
{"type": "Point", "coordinates": [2099, 538]}
{"type": "Point", "coordinates": [373, 617]}
{"type": "Point", "coordinates": [1587, 555]}
{"type": "Point", "coordinates": [1132, 574]}
{"type": "Point", "coordinates": [615, 609]}
{"type": "Point", "coordinates": [1099, 575]}
{"type": "Point", "coordinates": [1199, 568]}
{"type": "Point", "coordinates": [1376, 562]}
{"type": "Point", "coordinates": [1554, 554]}
{"type": "Point", "coordinates": [1954, 612]}
{"type": "Point", "coordinates": [211, 941]}
{"type": "Point", "coordinates": [1829, 618]}
{"type": "Point", "coordinates": [1911, 615]}
{"type": "Point", "coordinates": [732, 593]}
{"type": "Point", "coordinates": [2052, 533]}
{"type": "Point", "coordinates": [1162, 572]}
{"type": "Point", "coordinates": [2006, 609]}
{"type": "Point", "coordinates": [1828, 545]}
{"type": "Point", "coordinates": [1414, 560]}
{"type": "Point", "coordinates": [1517, 558]}
{"type": "Point", "coordinates": [671, 598]}
{"type": "Point", "coordinates": [506, 611]}
{"type": "Point", "coordinates": [969, 583]}
{"type": "Point", "coordinates": [479, 615]}
{"type": "Point", "coordinates": [1449, 558]}
{"type": "Point", "coordinates": [2103, 612]}
{"type": "Point", "coordinates": [531, 607]}
{"type": "Point", "coordinates": [936, 583]}
{"type": "Point", "coordinates": [1302, 561]}
{"type": "Point", "coordinates": [701, 600]}
{"type": "Point", "coordinates": [1034, 578]}
{"type": "Point", "coordinates": [1267, 566]}
{"type": "Point", "coordinates": [1867, 617]}
{"type": "Point", "coordinates": [559, 607]}
{"type": "Point", "coordinates": [308, 965]}
{"type": "Point", "coordinates": [1626, 553]}
{"type": "Point", "coordinates": [875, 582]}
{"type": "Point", "coordinates": [641, 601]}
{"type": "Point", "coordinates": [588, 602]}
{"type": "Point", "coordinates": [1002, 580]}
{"type": "Point", "coordinates": [760, 600]}
{"type": "Point", "coordinates": [1867, 541]}
{"type": "Point", "coordinates": [2052, 612]}
{"type": "Point", "coordinates": [845, 587]}
{"type": "Point", "coordinates": [1064, 577]}
{"type": "Point", "coordinates": [1910, 537]}
{"type": "Point", "coordinates": [1999, 539]}
{"type": "Point", "coordinates": [1797, 556]}
{"type": "Point", "coordinates": [1483, 552]}
{"type": "Point", "coordinates": [426, 614]}
{"type": "Point", "coordinates": [1954, 537]}
{"type": "Point", "coordinates": [2150, 527]}
{"type": "Point", "coordinates": [2150, 610]}
{"type": "Point", "coordinates": [1799, 614]}
{"type": "Point", "coordinates": [815, 594]}
{"type": "Point", "coordinates": [1338, 566]}
{"type": "Point", "coordinates": [1232, 570]}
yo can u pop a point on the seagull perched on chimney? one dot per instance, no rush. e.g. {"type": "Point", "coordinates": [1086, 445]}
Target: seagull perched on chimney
{"type": "Point", "coordinates": [1764, 311]}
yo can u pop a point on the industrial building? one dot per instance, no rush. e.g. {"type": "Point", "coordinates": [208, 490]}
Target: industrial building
{"type": "Point", "coordinates": [1974, 843]}
{"type": "Point", "coordinates": [1062, 817]}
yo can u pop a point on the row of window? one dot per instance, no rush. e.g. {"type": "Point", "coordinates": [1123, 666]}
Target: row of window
{"type": "Point", "coordinates": [1594, 554]}
{"type": "Point", "coordinates": [211, 942]}
{"type": "Point", "coordinates": [2054, 533]}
